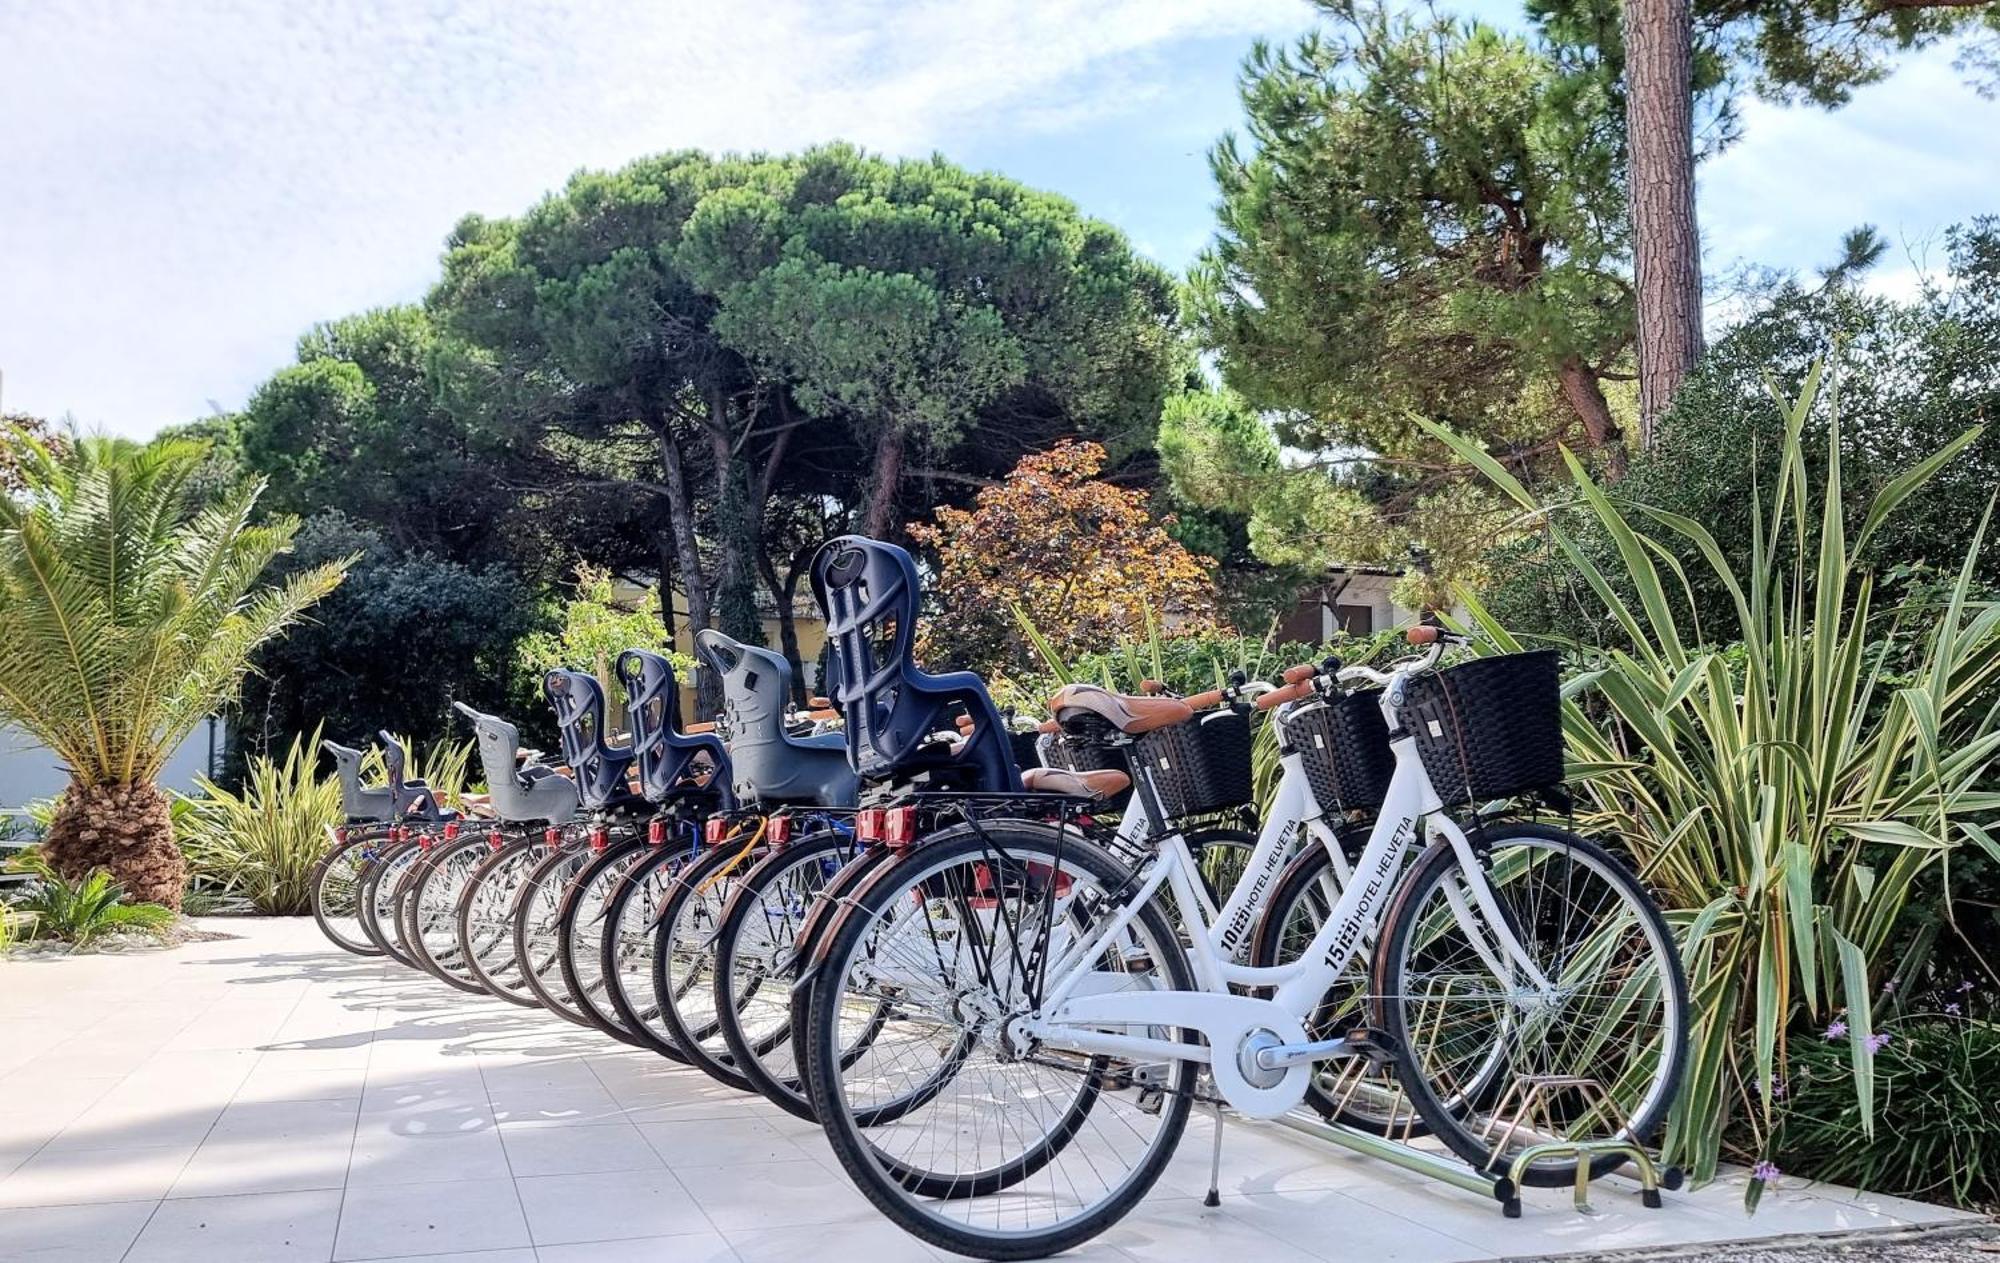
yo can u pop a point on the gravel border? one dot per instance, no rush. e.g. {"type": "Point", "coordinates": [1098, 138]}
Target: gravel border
{"type": "Point", "coordinates": [1943, 1243]}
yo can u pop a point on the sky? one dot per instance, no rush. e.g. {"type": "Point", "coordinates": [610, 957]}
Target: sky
{"type": "Point", "coordinates": [186, 187]}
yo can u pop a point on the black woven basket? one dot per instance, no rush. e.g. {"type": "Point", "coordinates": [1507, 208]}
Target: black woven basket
{"type": "Point", "coordinates": [1489, 728]}
{"type": "Point", "coordinates": [1343, 747]}
{"type": "Point", "coordinates": [1199, 766]}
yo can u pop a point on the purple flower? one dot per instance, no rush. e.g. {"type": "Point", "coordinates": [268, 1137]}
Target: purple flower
{"type": "Point", "coordinates": [1875, 1042]}
{"type": "Point", "coordinates": [1965, 986]}
{"type": "Point", "coordinates": [1888, 986]}
{"type": "Point", "coordinates": [1765, 1172]}
{"type": "Point", "coordinates": [1951, 1009]}
{"type": "Point", "coordinates": [1837, 1030]}
{"type": "Point", "coordinates": [1777, 1089]}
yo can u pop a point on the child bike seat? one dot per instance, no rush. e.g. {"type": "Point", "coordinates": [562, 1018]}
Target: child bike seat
{"type": "Point", "coordinates": [672, 764]}
{"type": "Point", "coordinates": [357, 801]}
{"type": "Point", "coordinates": [519, 795]}
{"type": "Point", "coordinates": [869, 591]}
{"type": "Point", "coordinates": [413, 799]}
{"type": "Point", "coordinates": [601, 769]}
{"type": "Point", "coordinates": [770, 765]}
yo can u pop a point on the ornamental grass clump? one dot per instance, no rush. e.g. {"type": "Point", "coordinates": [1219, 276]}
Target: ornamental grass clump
{"type": "Point", "coordinates": [1783, 799]}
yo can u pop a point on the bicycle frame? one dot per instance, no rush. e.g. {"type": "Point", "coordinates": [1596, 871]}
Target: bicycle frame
{"type": "Point", "coordinates": [1245, 1033]}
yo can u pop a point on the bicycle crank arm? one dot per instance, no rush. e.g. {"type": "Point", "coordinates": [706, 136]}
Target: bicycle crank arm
{"type": "Point", "coordinates": [1283, 1056]}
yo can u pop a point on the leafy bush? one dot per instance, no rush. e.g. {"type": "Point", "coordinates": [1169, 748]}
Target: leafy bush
{"type": "Point", "coordinates": [80, 912]}
{"type": "Point", "coordinates": [595, 629]}
{"type": "Point", "coordinates": [262, 843]}
{"type": "Point", "coordinates": [1937, 1076]}
{"type": "Point", "coordinates": [392, 648]}
{"type": "Point", "coordinates": [1786, 809]}
{"type": "Point", "coordinates": [1911, 376]}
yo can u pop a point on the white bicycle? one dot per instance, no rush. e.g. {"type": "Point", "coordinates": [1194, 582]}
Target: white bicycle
{"type": "Point", "coordinates": [1053, 1014]}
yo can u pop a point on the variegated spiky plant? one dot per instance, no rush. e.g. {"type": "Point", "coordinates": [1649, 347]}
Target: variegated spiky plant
{"type": "Point", "coordinates": [128, 612]}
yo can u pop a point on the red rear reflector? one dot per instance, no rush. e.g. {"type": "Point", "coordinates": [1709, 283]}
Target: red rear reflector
{"type": "Point", "coordinates": [493, 840]}
{"type": "Point", "coordinates": [900, 829]}
{"type": "Point", "coordinates": [552, 837]}
{"type": "Point", "coordinates": [715, 830]}
{"type": "Point", "coordinates": [451, 831]}
{"type": "Point", "coordinates": [599, 838]}
{"type": "Point", "coordinates": [870, 823]}
{"type": "Point", "coordinates": [340, 834]}
{"type": "Point", "coordinates": [778, 830]}
{"type": "Point", "coordinates": [656, 833]}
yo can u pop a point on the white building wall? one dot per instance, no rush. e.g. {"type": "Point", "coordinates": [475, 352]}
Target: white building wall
{"type": "Point", "coordinates": [29, 771]}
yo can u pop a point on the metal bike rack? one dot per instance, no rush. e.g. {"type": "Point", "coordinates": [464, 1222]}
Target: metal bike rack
{"type": "Point", "coordinates": [1529, 1098]}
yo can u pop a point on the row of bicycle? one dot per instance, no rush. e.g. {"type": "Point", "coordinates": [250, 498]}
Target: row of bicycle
{"type": "Point", "coordinates": [1001, 969]}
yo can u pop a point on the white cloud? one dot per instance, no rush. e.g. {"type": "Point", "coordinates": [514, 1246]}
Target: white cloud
{"type": "Point", "coordinates": [1911, 155]}
{"type": "Point", "coordinates": [187, 186]}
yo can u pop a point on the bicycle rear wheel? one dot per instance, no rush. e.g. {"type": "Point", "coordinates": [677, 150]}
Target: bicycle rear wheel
{"type": "Point", "coordinates": [336, 891]}
{"type": "Point", "coordinates": [485, 923]}
{"type": "Point", "coordinates": [428, 912]}
{"type": "Point", "coordinates": [1495, 1062]}
{"type": "Point", "coordinates": [580, 933]}
{"type": "Point", "coordinates": [537, 944]}
{"type": "Point", "coordinates": [684, 959]}
{"type": "Point", "coordinates": [984, 1146]}
{"type": "Point", "coordinates": [379, 888]}
{"type": "Point", "coordinates": [625, 949]}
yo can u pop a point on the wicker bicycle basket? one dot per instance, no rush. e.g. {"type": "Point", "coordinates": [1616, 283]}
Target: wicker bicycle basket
{"type": "Point", "coordinates": [1489, 728]}
{"type": "Point", "coordinates": [1343, 747]}
{"type": "Point", "coordinates": [1199, 766]}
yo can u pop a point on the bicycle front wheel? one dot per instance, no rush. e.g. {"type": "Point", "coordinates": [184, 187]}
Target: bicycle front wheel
{"type": "Point", "coordinates": [981, 1143]}
{"type": "Point", "coordinates": [1580, 1035]}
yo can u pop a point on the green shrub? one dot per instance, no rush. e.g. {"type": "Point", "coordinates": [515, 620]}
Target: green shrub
{"type": "Point", "coordinates": [1785, 808]}
{"type": "Point", "coordinates": [1937, 1133]}
{"type": "Point", "coordinates": [80, 912]}
{"type": "Point", "coordinates": [262, 843]}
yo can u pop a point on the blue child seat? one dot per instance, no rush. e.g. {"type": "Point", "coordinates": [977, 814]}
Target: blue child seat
{"type": "Point", "coordinates": [771, 767]}
{"type": "Point", "coordinates": [894, 711]}
{"type": "Point", "coordinates": [600, 769]}
{"type": "Point", "coordinates": [520, 795]}
{"type": "Point", "coordinates": [672, 763]}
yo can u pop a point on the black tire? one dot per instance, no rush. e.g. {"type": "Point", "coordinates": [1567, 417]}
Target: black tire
{"type": "Point", "coordinates": [746, 987]}
{"type": "Point", "coordinates": [1444, 1107]}
{"type": "Point", "coordinates": [582, 921]}
{"type": "Point", "coordinates": [378, 899]}
{"type": "Point", "coordinates": [429, 912]}
{"type": "Point", "coordinates": [625, 949]}
{"type": "Point", "coordinates": [1356, 1092]}
{"type": "Point", "coordinates": [537, 905]}
{"type": "Point", "coordinates": [821, 919]}
{"type": "Point", "coordinates": [336, 886]}
{"type": "Point", "coordinates": [915, 1196]}
{"type": "Point", "coordinates": [684, 958]}
{"type": "Point", "coordinates": [485, 927]}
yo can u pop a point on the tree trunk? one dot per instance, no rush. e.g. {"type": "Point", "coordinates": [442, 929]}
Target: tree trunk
{"type": "Point", "coordinates": [1659, 122]}
{"type": "Point", "coordinates": [126, 829]}
{"type": "Point", "coordinates": [884, 481]}
{"type": "Point", "coordinates": [783, 593]}
{"type": "Point", "coordinates": [736, 534]}
{"type": "Point", "coordinates": [687, 554]}
{"type": "Point", "coordinates": [1585, 396]}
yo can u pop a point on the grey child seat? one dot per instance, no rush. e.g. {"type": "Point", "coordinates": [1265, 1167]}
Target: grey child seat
{"type": "Point", "coordinates": [361, 803]}
{"type": "Point", "coordinates": [413, 799]}
{"type": "Point", "coordinates": [770, 766]}
{"type": "Point", "coordinates": [520, 795]}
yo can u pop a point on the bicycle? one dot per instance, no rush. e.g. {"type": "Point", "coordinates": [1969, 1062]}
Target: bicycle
{"type": "Point", "coordinates": [1090, 1020]}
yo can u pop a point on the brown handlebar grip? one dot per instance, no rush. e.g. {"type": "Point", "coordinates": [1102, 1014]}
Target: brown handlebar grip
{"type": "Point", "coordinates": [1048, 725]}
{"type": "Point", "coordinates": [821, 716]}
{"type": "Point", "coordinates": [965, 723]}
{"type": "Point", "coordinates": [819, 703]}
{"type": "Point", "coordinates": [1303, 671]}
{"type": "Point", "coordinates": [1424, 634]}
{"type": "Point", "coordinates": [694, 728]}
{"type": "Point", "coordinates": [1290, 693]}
{"type": "Point", "coordinates": [1203, 701]}
{"type": "Point", "coordinates": [1151, 688]}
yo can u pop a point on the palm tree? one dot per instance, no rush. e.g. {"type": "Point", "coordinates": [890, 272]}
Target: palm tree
{"type": "Point", "coordinates": [128, 612]}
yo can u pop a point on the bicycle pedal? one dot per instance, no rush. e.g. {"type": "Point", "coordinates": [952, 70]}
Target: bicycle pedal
{"type": "Point", "coordinates": [1151, 1100]}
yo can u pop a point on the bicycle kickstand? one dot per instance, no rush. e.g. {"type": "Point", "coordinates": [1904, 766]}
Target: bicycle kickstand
{"type": "Point", "coordinates": [1214, 1197]}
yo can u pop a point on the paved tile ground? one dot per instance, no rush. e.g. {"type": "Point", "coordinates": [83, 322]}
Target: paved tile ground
{"type": "Point", "coordinates": [269, 1098]}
